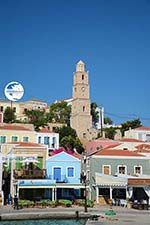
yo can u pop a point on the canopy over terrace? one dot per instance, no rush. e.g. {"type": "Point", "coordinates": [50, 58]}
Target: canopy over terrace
{"type": "Point", "coordinates": [47, 185]}
{"type": "Point", "coordinates": [109, 182]}
{"type": "Point", "coordinates": [29, 160]}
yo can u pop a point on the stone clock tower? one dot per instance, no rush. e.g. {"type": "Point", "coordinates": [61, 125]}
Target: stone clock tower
{"type": "Point", "coordinates": [81, 119]}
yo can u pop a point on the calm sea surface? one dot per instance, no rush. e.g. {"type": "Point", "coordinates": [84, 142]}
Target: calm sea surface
{"type": "Point", "coordinates": [44, 222]}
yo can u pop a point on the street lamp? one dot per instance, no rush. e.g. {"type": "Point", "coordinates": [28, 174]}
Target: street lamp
{"type": "Point", "coordinates": [84, 177]}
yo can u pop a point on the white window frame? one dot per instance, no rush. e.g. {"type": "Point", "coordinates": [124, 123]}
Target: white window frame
{"type": "Point", "coordinates": [141, 170]}
{"type": "Point", "coordinates": [122, 166]}
{"type": "Point", "coordinates": [107, 166]}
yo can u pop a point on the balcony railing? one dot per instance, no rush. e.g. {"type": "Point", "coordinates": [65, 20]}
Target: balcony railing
{"type": "Point", "coordinates": [59, 179]}
{"type": "Point", "coordinates": [29, 174]}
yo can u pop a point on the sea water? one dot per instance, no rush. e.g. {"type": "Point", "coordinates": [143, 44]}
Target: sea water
{"type": "Point", "coordinates": [45, 222]}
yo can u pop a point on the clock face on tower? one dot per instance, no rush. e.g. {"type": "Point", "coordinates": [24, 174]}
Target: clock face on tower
{"type": "Point", "coordinates": [83, 89]}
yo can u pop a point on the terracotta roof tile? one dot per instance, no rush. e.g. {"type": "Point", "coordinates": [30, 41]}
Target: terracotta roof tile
{"type": "Point", "coordinates": [143, 150]}
{"type": "Point", "coordinates": [143, 128]}
{"type": "Point", "coordinates": [13, 127]}
{"type": "Point", "coordinates": [26, 144]}
{"type": "Point", "coordinates": [118, 152]}
{"type": "Point", "coordinates": [143, 146]}
{"type": "Point", "coordinates": [94, 145]}
{"type": "Point", "coordinates": [130, 140]}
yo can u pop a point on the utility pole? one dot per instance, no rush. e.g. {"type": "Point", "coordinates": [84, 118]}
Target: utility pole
{"type": "Point", "coordinates": [101, 121]}
{"type": "Point", "coordinates": [84, 179]}
{"type": "Point", "coordinates": [1, 170]}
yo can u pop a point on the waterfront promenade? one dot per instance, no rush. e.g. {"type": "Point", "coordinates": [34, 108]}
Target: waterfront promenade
{"type": "Point", "coordinates": [123, 215]}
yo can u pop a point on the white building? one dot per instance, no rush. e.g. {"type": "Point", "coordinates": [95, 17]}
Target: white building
{"type": "Point", "coordinates": [141, 133]}
{"type": "Point", "coordinates": [46, 137]}
{"type": "Point", "coordinates": [100, 123]}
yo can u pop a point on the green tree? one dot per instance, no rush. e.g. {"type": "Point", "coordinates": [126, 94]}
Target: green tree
{"type": "Point", "coordinates": [9, 115]}
{"type": "Point", "coordinates": [68, 139]}
{"type": "Point", "coordinates": [110, 132]}
{"type": "Point", "coordinates": [107, 120]}
{"type": "Point", "coordinates": [37, 118]}
{"type": "Point", "coordinates": [130, 124]}
{"type": "Point", "coordinates": [65, 131]}
{"type": "Point", "coordinates": [94, 113]}
{"type": "Point", "coordinates": [59, 112]}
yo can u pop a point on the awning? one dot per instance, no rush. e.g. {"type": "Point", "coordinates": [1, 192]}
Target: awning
{"type": "Point", "coordinates": [32, 184]}
{"type": "Point", "coordinates": [108, 180]}
{"type": "Point", "coordinates": [35, 183]}
{"type": "Point", "coordinates": [28, 160]}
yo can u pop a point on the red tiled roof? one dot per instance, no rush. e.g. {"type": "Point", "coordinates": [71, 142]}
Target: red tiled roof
{"type": "Point", "coordinates": [130, 140]}
{"type": "Point", "coordinates": [143, 150]}
{"type": "Point", "coordinates": [118, 152]}
{"type": "Point", "coordinates": [13, 127]}
{"type": "Point", "coordinates": [61, 149]}
{"type": "Point", "coordinates": [92, 146]}
{"type": "Point", "coordinates": [143, 128]}
{"type": "Point", "coordinates": [26, 144]}
{"type": "Point", "coordinates": [143, 146]}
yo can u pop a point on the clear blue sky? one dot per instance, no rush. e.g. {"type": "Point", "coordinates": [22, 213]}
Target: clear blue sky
{"type": "Point", "coordinates": [42, 40]}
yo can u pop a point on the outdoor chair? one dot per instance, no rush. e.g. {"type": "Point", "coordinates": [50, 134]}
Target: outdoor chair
{"type": "Point", "coordinates": [113, 201]}
{"type": "Point", "coordinates": [123, 202]}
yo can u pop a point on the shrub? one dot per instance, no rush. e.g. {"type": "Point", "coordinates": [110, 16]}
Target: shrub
{"type": "Point", "coordinates": [44, 202]}
{"type": "Point", "coordinates": [81, 202]}
{"type": "Point", "coordinates": [65, 202]}
{"type": "Point", "coordinates": [52, 203]}
{"type": "Point", "coordinates": [25, 203]}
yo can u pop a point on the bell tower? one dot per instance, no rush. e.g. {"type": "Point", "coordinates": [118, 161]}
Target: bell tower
{"type": "Point", "coordinates": [81, 119]}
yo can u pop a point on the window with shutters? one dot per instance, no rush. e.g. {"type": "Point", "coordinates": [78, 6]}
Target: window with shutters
{"type": "Point", "coordinates": [122, 169]}
{"type": "Point", "coordinates": [137, 169]}
{"type": "Point", "coordinates": [106, 169]}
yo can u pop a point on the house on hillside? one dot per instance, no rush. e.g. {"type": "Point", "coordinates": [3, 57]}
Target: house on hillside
{"type": "Point", "coordinates": [141, 133]}
{"type": "Point", "coordinates": [46, 137]}
{"type": "Point", "coordinates": [24, 133]}
{"type": "Point", "coordinates": [16, 133]}
{"type": "Point", "coordinates": [130, 144]}
{"type": "Point", "coordinates": [101, 143]}
{"type": "Point", "coordinates": [20, 108]}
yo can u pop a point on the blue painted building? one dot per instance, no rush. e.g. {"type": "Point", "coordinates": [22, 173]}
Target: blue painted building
{"type": "Point", "coordinates": [65, 169]}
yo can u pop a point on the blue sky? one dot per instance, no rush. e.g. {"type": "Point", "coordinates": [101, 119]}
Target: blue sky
{"type": "Point", "coordinates": [42, 40]}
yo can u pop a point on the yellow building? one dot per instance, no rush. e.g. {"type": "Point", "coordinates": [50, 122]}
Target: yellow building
{"type": "Point", "coordinates": [25, 161]}
{"type": "Point", "coordinates": [16, 133]}
{"type": "Point", "coordinates": [21, 107]}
